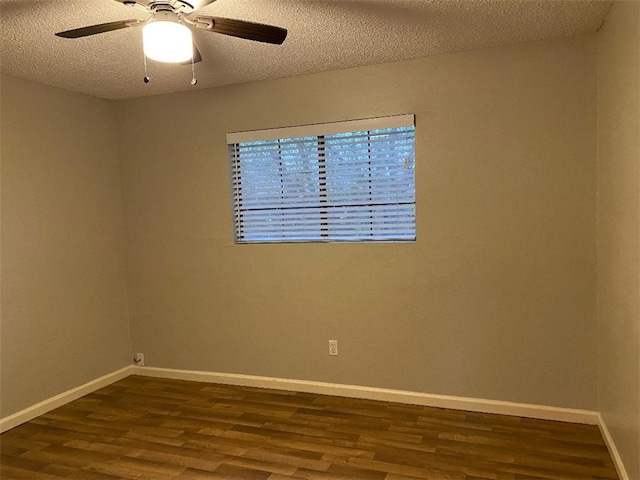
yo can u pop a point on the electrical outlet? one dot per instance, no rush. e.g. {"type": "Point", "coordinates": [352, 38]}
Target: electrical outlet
{"type": "Point", "coordinates": [333, 347]}
{"type": "Point", "coordinates": [139, 360]}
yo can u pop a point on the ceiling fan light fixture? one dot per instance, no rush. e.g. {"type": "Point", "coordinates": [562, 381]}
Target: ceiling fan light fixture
{"type": "Point", "coordinates": [166, 41]}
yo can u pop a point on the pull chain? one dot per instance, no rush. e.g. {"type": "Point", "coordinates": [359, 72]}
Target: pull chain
{"type": "Point", "coordinates": [146, 77]}
{"type": "Point", "coordinates": [193, 72]}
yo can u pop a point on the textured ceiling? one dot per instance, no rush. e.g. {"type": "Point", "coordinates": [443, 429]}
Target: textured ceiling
{"type": "Point", "coordinates": [323, 35]}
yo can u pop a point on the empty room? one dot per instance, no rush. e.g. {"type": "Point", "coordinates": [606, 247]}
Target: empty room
{"type": "Point", "coordinates": [320, 239]}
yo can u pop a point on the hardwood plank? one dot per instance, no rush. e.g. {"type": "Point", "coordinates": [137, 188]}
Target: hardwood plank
{"type": "Point", "coordinates": [9, 472]}
{"type": "Point", "coordinates": [22, 462]}
{"type": "Point", "coordinates": [195, 474]}
{"type": "Point", "coordinates": [232, 471]}
{"type": "Point", "coordinates": [160, 429]}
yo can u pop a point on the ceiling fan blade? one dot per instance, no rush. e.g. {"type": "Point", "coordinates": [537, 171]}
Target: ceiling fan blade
{"type": "Point", "coordinates": [196, 56]}
{"type": "Point", "coordinates": [247, 30]}
{"type": "Point", "coordinates": [100, 28]}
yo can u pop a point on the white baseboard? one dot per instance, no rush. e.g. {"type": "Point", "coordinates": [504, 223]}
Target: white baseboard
{"type": "Point", "coordinates": [353, 391]}
{"type": "Point", "coordinates": [371, 393]}
{"type": "Point", "coordinates": [613, 451]}
{"type": "Point", "coordinates": [63, 398]}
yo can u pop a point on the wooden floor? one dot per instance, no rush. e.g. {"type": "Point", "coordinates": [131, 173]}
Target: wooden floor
{"type": "Point", "coordinates": [145, 428]}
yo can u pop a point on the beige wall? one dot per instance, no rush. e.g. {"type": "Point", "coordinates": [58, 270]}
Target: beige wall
{"type": "Point", "coordinates": [64, 305]}
{"type": "Point", "coordinates": [619, 229]}
{"type": "Point", "coordinates": [496, 299]}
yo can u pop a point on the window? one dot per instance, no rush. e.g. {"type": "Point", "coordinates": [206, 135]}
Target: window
{"type": "Point", "coordinates": [346, 181]}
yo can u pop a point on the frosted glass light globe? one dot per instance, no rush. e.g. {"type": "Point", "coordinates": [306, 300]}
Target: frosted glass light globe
{"type": "Point", "coordinates": [167, 42]}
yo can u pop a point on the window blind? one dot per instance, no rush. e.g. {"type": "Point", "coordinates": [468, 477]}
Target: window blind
{"type": "Point", "coordinates": [345, 181]}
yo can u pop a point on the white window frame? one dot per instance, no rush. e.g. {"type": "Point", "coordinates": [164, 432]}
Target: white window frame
{"type": "Point", "coordinates": [403, 218]}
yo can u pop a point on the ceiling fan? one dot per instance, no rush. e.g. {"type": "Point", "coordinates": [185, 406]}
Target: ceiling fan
{"type": "Point", "coordinates": [167, 30]}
